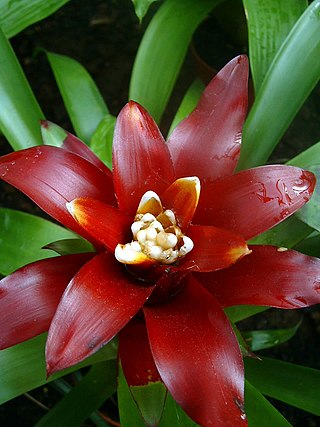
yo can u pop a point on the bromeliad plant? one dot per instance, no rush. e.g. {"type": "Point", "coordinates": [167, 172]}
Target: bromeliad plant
{"type": "Point", "coordinates": [169, 226]}
{"type": "Point", "coordinates": [175, 249]}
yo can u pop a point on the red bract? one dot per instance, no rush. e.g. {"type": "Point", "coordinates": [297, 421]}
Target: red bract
{"type": "Point", "coordinates": [171, 250]}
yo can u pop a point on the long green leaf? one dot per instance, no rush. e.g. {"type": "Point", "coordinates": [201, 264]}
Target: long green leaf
{"type": "Point", "coordinates": [240, 312]}
{"type": "Point", "coordinates": [162, 51]}
{"type": "Point", "coordinates": [98, 385]}
{"type": "Point", "coordinates": [287, 234]}
{"type": "Point", "coordinates": [16, 15]}
{"type": "Point", "coordinates": [260, 412]}
{"type": "Point", "coordinates": [141, 7]}
{"type": "Point", "coordinates": [261, 339]}
{"type": "Point", "coordinates": [128, 410]}
{"type": "Point", "coordinates": [294, 384]}
{"type": "Point", "coordinates": [22, 366]}
{"type": "Point", "coordinates": [80, 94]}
{"type": "Point", "coordinates": [269, 22]}
{"type": "Point", "coordinates": [19, 110]}
{"type": "Point", "coordinates": [310, 246]}
{"type": "Point", "coordinates": [307, 157]}
{"type": "Point", "coordinates": [292, 75]}
{"type": "Point", "coordinates": [22, 236]}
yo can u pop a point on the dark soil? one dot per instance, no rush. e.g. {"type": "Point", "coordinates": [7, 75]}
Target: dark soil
{"type": "Point", "coordinates": [104, 36]}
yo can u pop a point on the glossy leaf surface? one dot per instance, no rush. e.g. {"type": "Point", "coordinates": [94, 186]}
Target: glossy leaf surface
{"type": "Point", "coordinates": [22, 238]}
{"type": "Point", "coordinates": [88, 395]}
{"type": "Point", "coordinates": [23, 366]}
{"type": "Point", "coordinates": [15, 16]}
{"type": "Point", "coordinates": [70, 246]}
{"type": "Point", "coordinates": [85, 107]}
{"type": "Point", "coordinates": [286, 234]}
{"type": "Point", "coordinates": [240, 312]}
{"type": "Point", "coordinates": [280, 97]}
{"type": "Point", "coordinates": [141, 7]}
{"type": "Point", "coordinates": [101, 141]}
{"type": "Point", "coordinates": [261, 339]}
{"type": "Point", "coordinates": [294, 384]}
{"type": "Point", "coordinates": [182, 198]}
{"type": "Point", "coordinates": [290, 279]}
{"type": "Point", "coordinates": [30, 296]}
{"type": "Point", "coordinates": [141, 159]}
{"type": "Point", "coordinates": [162, 51]}
{"type": "Point", "coordinates": [55, 176]}
{"type": "Point", "coordinates": [128, 410]}
{"type": "Point", "coordinates": [207, 142]}
{"type": "Point", "coordinates": [173, 415]}
{"type": "Point", "coordinates": [254, 200]}
{"type": "Point", "coordinates": [214, 249]}
{"type": "Point", "coordinates": [103, 222]}
{"type": "Point", "coordinates": [96, 305]}
{"type": "Point", "coordinates": [212, 375]}
{"type": "Point", "coordinates": [269, 23]}
{"type": "Point", "coordinates": [19, 121]}
{"type": "Point", "coordinates": [189, 102]}
{"type": "Point", "coordinates": [260, 411]}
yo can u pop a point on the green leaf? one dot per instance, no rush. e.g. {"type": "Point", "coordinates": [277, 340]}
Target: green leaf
{"type": "Point", "coordinates": [286, 234]}
{"type": "Point", "coordinates": [188, 103]}
{"type": "Point", "coordinates": [97, 386]}
{"type": "Point", "coordinates": [19, 110]}
{"type": "Point", "coordinates": [162, 51]}
{"type": "Point", "coordinates": [150, 400]}
{"type": "Point", "coordinates": [141, 7]}
{"type": "Point", "coordinates": [259, 340]}
{"type": "Point", "coordinates": [16, 15]}
{"type": "Point", "coordinates": [128, 410]}
{"type": "Point", "coordinates": [291, 77]}
{"type": "Point", "coordinates": [294, 384]}
{"type": "Point", "coordinates": [101, 141]}
{"type": "Point", "coordinates": [23, 366]}
{"type": "Point", "coordinates": [310, 246]}
{"type": "Point", "coordinates": [310, 213]}
{"type": "Point", "coordinates": [307, 157]}
{"type": "Point", "coordinates": [53, 134]}
{"type": "Point", "coordinates": [173, 415]}
{"type": "Point", "coordinates": [259, 410]}
{"type": "Point", "coordinates": [22, 236]}
{"type": "Point", "coordinates": [269, 22]}
{"type": "Point", "coordinates": [70, 246]}
{"type": "Point", "coordinates": [240, 312]}
{"type": "Point", "coordinates": [81, 97]}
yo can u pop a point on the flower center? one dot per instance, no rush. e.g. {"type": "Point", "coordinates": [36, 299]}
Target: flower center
{"type": "Point", "coordinates": [156, 235]}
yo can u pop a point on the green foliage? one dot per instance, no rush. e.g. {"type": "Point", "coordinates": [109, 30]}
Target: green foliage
{"type": "Point", "coordinates": [23, 366]}
{"type": "Point", "coordinates": [261, 339]}
{"type": "Point", "coordinates": [294, 384]}
{"type": "Point", "coordinates": [162, 51]}
{"type": "Point", "coordinates": [141, 7]}
{"type": "Point", "coordinates": [16, 15]}
{"type": "Point", "coordinates": [81, 97]}
{"type": "Point", "coordinates": [269, 22]}
{"type": "Point", "coordinates": [89, 394]}
{"type": "Point", "coordinates": [19, 112]}
{"type": "Point", "coordinates": [292, 75]}
{"type": "Point", "coordinates": [259, 410]}
{"type": "Point", "coordinates": [23, 237]}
